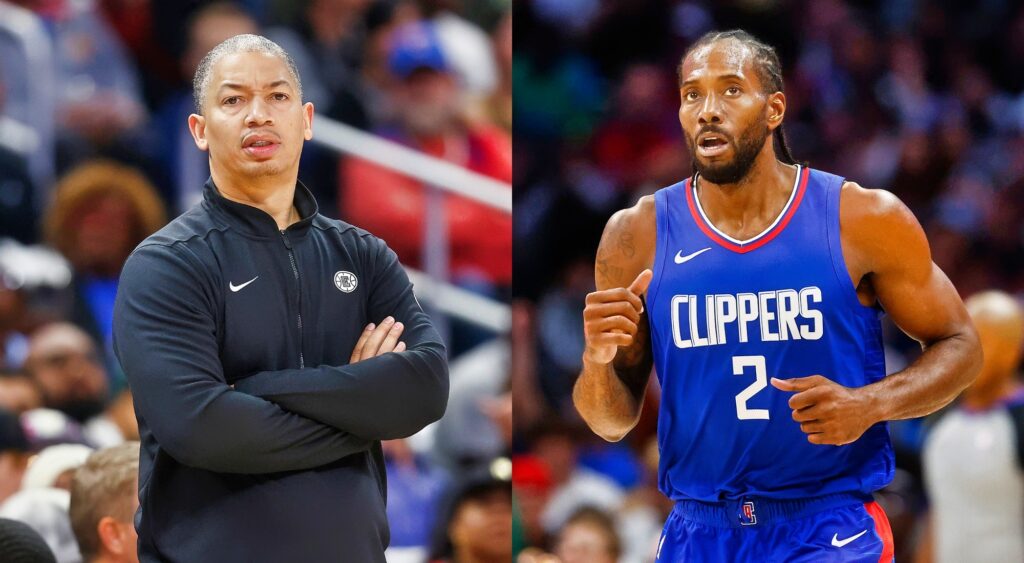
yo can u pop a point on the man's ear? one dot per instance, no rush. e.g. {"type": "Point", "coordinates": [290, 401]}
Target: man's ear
{"type": "Point", "coordinates": [307, 120]}
{"type": "Point", "coordinates": [109, 531]}
{"type": "Point", "coordinates": [776, 108]}
{"type": "Point", "coordinates": [197, 126]}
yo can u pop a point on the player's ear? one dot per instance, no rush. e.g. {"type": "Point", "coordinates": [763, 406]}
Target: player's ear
{"type": "Point", "coordinates": [776, 109]}
{"type": "Point", "coordinates": [197, 126]}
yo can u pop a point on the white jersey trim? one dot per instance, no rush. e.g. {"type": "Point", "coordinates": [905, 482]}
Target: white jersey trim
{"type": "Point", "coordinates": [792, 196]}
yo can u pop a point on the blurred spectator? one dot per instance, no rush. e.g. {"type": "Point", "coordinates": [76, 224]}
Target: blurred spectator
{"type": "Point", "coordinates": [21, 544]}
{"type": "Point", "coordinates": [30, 276]}
{"type": "Point", "coordinates": [62, 360]}
{"type": "Point", "coordinates": [19, 393]}
{"type": "Point", "coordinates": [17, 194]}
{"type": "Point", "coordinates": [497, 108]}
{"type": "Point", "coordinates": [115, 425]}
{"type": "Point", "coordinates": [588, 537]}
{"type": "Point", "coordinates": [46, 511]}
{"type": "Point", "coordinates": [532, 481]}
{"type": "Point", "coordinates": [478, 527]}
{"type": "Point", "coordinates": [477, 378]}
{"type": "Point", "coordinates": [430, 120]}
{"type": "Point", "coordinates": [104, 499]}
{"type": "Point", "coordinates": [99, 213]}
{"type": "Point", "coordinates": [55, 466]}
{"type": "Point", "coordinates": [415, 489]}
{"type": "Point", "coordinates": [99, 103]}
{"type": "Point", "coordinates": [327, 46]}
{"type": "Point", "coordinates": [14, 454]}
{"type": "Point", "coordinates": [187, 167]}
{"type": "Point", "coordinates": [49, 427]}
{"type": "Point", "coordinates": [974, 458]}
{"type": "Point", "coordinates": [465, 46]}
{"type": "Point", "coordinates": [556, 444]}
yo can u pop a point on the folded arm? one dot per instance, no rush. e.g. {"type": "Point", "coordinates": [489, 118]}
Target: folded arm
{"type": "Point", "coordinates": [165, 338]}
{"type": "Point", "coordinates": [393, 395]}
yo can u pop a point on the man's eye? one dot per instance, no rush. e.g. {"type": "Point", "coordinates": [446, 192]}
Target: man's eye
{"type": "Point", "coordinates": [231, 100]}
{"type": "Point", "coordinates": [280, 96]}
{"type": "Point", "coordinates": [691, 95]}
{"type": "Point", "coordinates": [733, 90]}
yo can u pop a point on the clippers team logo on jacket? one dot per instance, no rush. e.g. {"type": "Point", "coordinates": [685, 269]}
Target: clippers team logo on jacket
{"type": "Point", "coordinates": [346, 281]}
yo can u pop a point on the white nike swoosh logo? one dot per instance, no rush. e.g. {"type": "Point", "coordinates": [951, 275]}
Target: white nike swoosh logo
{"type": "Point", "coordinates": [840, 543]}
{"type": "Point", "coordinates": [680, 258]}
{"type": "Point", "coordinates": [234, 287]}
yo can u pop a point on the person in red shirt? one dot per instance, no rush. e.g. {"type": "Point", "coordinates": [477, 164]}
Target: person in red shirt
{"type": "Point", "coordinates": [428, 116]}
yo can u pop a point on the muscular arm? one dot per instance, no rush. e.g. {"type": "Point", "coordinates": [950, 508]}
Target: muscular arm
{"type": "Point", "coordinates": [390, 396]}
{"type": "Point", "coordinates": [165, 338]}
{"type": "Point", "coordinates": [886, 248]}
{"type": "Point", "coordinates": [609, 391]}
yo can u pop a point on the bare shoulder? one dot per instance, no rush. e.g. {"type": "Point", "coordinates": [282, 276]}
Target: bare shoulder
{"type": "Point", "coordinates": [877, 227]}
{"type": "Point", "coordinates": [627, 245]}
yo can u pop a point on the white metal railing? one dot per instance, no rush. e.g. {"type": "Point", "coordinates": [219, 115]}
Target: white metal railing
{"type": "Point", "coordinates": [439, 173]}
{"type": "Point", "coordinates": [439, 176]}
{"type": "Point", "coordinates": [458, 302]}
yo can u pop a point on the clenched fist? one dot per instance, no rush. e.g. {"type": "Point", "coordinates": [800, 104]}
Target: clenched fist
{"type": "Point", "coordinates": [828, 412]}
{"type": "Point", "coordinates": [611, 317]}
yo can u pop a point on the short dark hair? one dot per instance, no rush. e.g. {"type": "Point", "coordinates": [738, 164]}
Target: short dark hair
{"type": "Point", "coordinates": [766, 65]}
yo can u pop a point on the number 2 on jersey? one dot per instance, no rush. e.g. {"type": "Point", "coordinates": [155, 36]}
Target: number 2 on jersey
{"type": "Point", "coordinates": [739, 364]}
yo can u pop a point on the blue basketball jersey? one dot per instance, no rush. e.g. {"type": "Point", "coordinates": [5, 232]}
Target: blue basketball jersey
{"type": "Point", "coordinates": [728, 315]}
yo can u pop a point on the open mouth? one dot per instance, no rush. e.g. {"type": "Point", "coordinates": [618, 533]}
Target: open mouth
{"type": "Point", "coordinates": [712, 144]}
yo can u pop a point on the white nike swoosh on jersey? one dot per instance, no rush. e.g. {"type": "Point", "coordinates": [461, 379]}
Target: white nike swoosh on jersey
{"type": "Point", "coordinates": [234, 287]}
{"type": "Point", "coordinates": [840, 543]}
{"type": "Point", "coordinates": [680, 258]}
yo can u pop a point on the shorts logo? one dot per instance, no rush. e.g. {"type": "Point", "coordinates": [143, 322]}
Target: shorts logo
{"type": "Point", "coordinates": [747, 516]}
{"type": "Point", "coordinates": [346, 281]}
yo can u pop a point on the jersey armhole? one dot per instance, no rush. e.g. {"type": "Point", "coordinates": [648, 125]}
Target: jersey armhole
{"type": "Point", "coordinates": [833, 195]}
{"type": "Point", "coordinates": [660, 237]}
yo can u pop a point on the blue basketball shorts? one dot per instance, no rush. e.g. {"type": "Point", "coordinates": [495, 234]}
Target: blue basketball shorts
{"type": "Point", "coordinates": [828, 529]}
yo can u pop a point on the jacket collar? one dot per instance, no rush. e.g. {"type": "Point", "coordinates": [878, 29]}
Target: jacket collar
{"type": "Point", "coordinates": [254, 221]}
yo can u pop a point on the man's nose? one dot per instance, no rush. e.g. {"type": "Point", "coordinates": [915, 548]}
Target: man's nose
{"type": "Point", "coordinates": [711, 111]}
{"type": "Point", "coordinates": [259, 113]}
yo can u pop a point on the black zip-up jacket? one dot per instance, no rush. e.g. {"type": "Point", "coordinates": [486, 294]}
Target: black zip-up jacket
{"type": "Point", "coordinates": [286, 465]}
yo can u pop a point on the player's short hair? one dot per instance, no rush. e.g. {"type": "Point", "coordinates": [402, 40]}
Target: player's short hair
{"type": "Point", "coordinates": [245, 43]}
{"type": "Point", "coordinates": [767, 66]}
{"type": "Point", "coordinates": [104, 486]}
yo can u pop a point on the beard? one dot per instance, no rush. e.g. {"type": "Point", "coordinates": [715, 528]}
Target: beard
{"type": "Point", "coordinates": [747, 147]}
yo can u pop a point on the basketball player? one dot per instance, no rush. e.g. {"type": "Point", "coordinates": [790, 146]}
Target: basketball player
{"type": "Point", "coordinates": [758, 269]}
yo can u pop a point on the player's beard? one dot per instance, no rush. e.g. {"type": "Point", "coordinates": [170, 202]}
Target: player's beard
{"type": "Point", "coordinates": [747, 146]}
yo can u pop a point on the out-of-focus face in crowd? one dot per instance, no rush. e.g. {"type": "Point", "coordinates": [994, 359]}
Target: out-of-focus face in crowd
{"type": "Point", "coordinates": [103, 227]}
{"type": "Point", "coordinates": [585, 542]}
{"type": "Point", "coordinates": [19, 394]}
{"type": "Point", "coordinates": [62, 359]}
{"type": "Point", "coordinates": [428, 102]}
{"type": "Point", "coordinates": [481, 528]}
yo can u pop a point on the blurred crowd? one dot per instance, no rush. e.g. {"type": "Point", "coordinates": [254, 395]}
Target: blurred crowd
{"type": "Point", "coordinates": [925, 99]}
{"type": "Point", "coordinates": [95, 155]}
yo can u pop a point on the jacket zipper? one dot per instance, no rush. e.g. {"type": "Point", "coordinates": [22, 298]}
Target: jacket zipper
{"type": "Point", "coordinates": [298, 288]}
